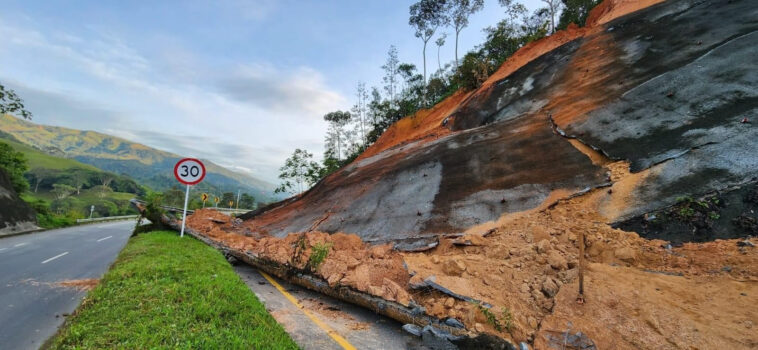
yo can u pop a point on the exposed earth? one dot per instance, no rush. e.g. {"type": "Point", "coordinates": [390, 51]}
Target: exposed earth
{"type": "Point", "coordinates": [632, 139]}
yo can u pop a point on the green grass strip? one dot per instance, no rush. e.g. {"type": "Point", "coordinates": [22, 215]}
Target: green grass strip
{"type": "Point", "coordinates": [169, 292]}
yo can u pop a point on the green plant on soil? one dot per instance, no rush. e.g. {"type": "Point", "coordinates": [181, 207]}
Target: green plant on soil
{"type": "Point", "coordinates": [319, 251]}
{"type": "Point", "coordinates": [503, 323]}
{"type": "Point", "coordinates": [165, 292]}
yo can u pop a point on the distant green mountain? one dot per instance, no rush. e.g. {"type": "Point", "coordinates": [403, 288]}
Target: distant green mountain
{"type": "Point", "coordinates": [149, 166]}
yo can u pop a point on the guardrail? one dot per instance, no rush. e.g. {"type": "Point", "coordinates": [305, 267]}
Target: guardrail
{"type": "Point", "coordinates": [226, 211]}
{"type": "Point", "coordinates": [108, 218]}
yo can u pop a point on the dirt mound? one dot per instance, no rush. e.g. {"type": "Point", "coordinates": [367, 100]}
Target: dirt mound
{"type": "Point", "coordinates": [338, 258]}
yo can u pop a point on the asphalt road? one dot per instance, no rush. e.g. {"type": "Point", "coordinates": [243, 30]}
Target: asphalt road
{"type": "Point", "coordinates": [32, 307]}
{"type": "Point", "coordinates": [355, 327]}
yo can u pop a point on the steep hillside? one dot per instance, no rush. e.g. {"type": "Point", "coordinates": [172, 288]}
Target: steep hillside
{"type": "Point", "coordinates": [150, 166]}
{"type": "Point", "coordinates": [15, 214]}
{"type": "Point", "coordinates": [628, 147]}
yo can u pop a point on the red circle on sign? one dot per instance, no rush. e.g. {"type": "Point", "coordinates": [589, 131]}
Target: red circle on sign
{"type": "Point", "coordinates": [176, 171]}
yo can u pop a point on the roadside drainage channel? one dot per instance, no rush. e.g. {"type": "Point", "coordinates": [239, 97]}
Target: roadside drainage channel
{"type": "Point", "coordinates": [433, 333]}
{"type": "Point", "coordinates": [359, 327]}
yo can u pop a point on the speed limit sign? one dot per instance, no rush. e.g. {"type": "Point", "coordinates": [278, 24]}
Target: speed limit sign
{"type": "Point", "coordinates": [189, 171]}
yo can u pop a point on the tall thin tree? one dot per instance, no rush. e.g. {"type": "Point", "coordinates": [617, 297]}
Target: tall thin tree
{"type": "Point", "coordinates": [553, 6]}
{"type": "Point", "coordinates": [458, 14]}
{"type": "Point", "coordinates": [390, 73]}
{"type": "Point", "coordinates": [425, 17]}
{"type": "Point", "coordinates": [440, 42]}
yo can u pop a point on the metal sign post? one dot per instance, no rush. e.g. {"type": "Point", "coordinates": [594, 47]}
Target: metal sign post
{"type": "Point", "coordinates": [189, 171]}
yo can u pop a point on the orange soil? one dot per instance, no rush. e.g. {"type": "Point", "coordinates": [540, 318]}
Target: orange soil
{"type": "Point", "coordinates": [83, 284]}
{"type": "Point", "coordinates": [610, 10]}
{"type": "Point", "coordinates": [426, 123]}
{"type": "Point", "coordinates": [377, 270]}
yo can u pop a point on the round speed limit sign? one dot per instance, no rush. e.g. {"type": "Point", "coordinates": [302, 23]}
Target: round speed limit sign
{"type": "Point", "coordinates": [189, 171]}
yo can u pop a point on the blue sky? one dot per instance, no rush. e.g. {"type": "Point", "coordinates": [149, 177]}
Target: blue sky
{"type": "Point", "coordinates": [242, 83]}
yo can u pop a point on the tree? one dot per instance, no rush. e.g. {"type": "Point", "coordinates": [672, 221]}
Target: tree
{"type": "Point", "coordinates": [425, 17]}
{"type": "Point", "coordinates": [390, 73]}
{"type": "Point", "coordinates": [103, 191]}
{"type": "Point", "coordinates": [359, 110]}
{"type": "Point", "coordinates": [10, 102]}
{"type": "Point", "coordinates": [458, 14]}
{"type": "Point", "coordinates": [336, 135]}
{"type": "Point", "coordinates": [576, 11]}
{"type": "Point", "coordinates": [62, 191]}
{"type": "Point", "coordinates": [106, 179]}
{"type": "Point", "coordinates": [440, 42]}
{"type": "Point", "coordinates": [78, 180]}
{"type": "Point", "coordinates": [39, 175]}
{"type": "Point", "coordinates": [299, 171]}
{"type": "Point", "coordinates": [247, 201]}
{"type": "Point", "coordinates": [227, 197]}
{"type": "Point", "coordinates": [14, 163]}
{"type": "Point", "coordinates": [553, 6]}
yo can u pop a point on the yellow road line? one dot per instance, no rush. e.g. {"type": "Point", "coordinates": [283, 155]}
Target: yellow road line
{"type": "Point", "coordinates": [332, 333]}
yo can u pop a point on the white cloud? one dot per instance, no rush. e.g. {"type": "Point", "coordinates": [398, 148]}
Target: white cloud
{"type": "Point", "coordinates": [301, 92]}
{"type": "Point", "coordinates": [250, 117]}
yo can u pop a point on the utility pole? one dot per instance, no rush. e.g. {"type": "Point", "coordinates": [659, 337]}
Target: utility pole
{"type": "Point", "coordinates": [238, 199]}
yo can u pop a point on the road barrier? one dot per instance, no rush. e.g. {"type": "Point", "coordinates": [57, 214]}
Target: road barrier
{"type": "Point", "coordinates": [108, 218]}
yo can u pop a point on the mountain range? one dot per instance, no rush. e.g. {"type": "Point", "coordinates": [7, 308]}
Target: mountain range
{"type": "Point", "coordinates": [151, 167]}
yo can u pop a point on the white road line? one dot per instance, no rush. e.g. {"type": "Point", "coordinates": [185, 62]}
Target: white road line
{"type": "Point", "coordinates": [104, 238]}
{"type": "Point", "coordinates": [1, 249]}
{"type": "Point", "coordinates": [20, 244]}
{"type": "Point", "coordinates": [55, 257]}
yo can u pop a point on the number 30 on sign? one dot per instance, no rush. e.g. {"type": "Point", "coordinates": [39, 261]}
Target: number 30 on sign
{"type": "Point", "coordinates": [189, 171]}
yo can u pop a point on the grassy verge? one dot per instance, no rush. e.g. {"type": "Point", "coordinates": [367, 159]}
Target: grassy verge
{"type": "Point", "coordinates": [169, 292]}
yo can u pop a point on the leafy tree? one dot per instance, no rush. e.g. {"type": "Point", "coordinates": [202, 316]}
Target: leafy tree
{"type": "Point", "coordinates": [336, 136]}
{"type": "Point", "coordinates": [425, 17]}
{"type": "Point", "coordinates": [247, 201]}
{"type": "Point", "coordinates": [103, 191]}
{"type": "Point", "coordinates": [299, 172]}
{"type": "Point", "coordinates": [78, 179]}
{"type": "Point", "coordinates": [10, 102]}
{"type": "Point", "coordinates": [390, 73]}
{"type": "Point", "coordinates": [62, 191]}
{"type": "Point", "coordinates": [173, 197]}
{"type": "Point", "coordinates": [227, 197]}
{"type": "Point", "coordinates": [576, 11]}
{"type": "Point", "coordinates": [40, 175]}
{"type": "Point", "coordinates": [14, 163]}
{"type": "Point", "coordinates": [458, 14]}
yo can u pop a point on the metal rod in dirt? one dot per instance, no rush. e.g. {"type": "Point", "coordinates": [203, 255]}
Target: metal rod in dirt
{"type": "Point", "coordinates": [184, 214]}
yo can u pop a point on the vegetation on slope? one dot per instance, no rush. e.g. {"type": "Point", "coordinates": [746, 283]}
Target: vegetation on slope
{"type": "Point", "coordinates": [144, 164]}
{"type": "Point", "coordinates": [406, 91]}
{"type": "Point", "coordinates": [164, 291]}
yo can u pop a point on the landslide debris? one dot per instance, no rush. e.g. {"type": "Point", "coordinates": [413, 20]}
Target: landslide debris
{"type": "Point", "coordinates": [623, 137]}
{"type": "Point", "coordinates": [377, 270]}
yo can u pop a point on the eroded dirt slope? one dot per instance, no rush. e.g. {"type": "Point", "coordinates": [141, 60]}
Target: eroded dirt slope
{"type": "Point", "coordinates": [633, 138]}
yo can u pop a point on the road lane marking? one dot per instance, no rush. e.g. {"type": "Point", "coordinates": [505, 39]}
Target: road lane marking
{"type": "Point", "coordinates": [104, 238]}
{"type": "Point", "coordinates": [20, 244]}
{"type": "Point", "coordinates": [332, 333]}
{"type": "Point", "coordinates": [55, 257]}
{"type": "Point", "coordinates": [1, 249]}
